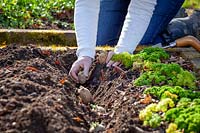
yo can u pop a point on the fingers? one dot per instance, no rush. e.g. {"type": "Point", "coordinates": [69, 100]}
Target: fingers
{"type": "Point", "coordinates": [110, 63]}
{"type": "Point", "coordinates": [108, 59]}
{"type": "Point", "coordinates": [84, 63]}
{"type": "Point", "coordinates": [73, 72]}
{"type": "Point", "coordinates": [116, 64]}
{"type": "Point", "coordinates": [110, 54]}
{"type": "Point", "coordinates": [86, 70]}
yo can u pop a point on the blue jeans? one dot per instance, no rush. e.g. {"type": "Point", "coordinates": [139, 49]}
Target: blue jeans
{"type": "Point", "coordinates": [112, 15]}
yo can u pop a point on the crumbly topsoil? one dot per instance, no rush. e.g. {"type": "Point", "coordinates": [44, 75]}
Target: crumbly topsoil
{"type": "Point", "coordinates": [37, 95]}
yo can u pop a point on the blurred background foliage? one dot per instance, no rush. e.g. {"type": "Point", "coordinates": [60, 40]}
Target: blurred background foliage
{"type": "Point", "coordinates": [195, 4]}
{"type": "Point", "coordinates": [36, 13]}
{"type": "Point", "coordinates": [45, 14]}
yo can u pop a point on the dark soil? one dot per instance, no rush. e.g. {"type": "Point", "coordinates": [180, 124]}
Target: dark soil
{"type": "Point", "coordinates": [37, 96]}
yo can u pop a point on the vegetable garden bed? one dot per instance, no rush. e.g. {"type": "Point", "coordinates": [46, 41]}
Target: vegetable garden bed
{"type": "Point", "coordinates": [36, 94]}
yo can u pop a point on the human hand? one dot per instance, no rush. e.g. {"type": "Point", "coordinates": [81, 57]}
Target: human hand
{"type": "Point", "coordinates": [84, 63]}
{"type": "Point", "coordinates": [109, 61]}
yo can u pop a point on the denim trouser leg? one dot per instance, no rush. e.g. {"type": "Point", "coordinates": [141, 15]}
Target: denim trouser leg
{"type": "Point", "coordinates": [113, 12]}
{"type": "Point", "coordinates": [111, 18]}
{"type": "Point", "coordinates": [164, 12]}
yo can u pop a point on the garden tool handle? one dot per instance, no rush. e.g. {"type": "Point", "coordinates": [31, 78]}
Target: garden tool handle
{"type": "Point", "coordinates": [188, 41]}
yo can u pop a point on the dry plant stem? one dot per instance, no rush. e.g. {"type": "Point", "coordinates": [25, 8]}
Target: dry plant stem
{"type": "Point", "coordinates": [118, 69]}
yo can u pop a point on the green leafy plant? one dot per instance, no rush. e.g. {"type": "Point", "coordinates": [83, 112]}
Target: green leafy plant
{"type": "Point", "coordinates": [149, 54]}
{"type": "Point", "coordinates": [172, 128]}
{"type": "Point", "coordinates": [168, 74]}
{"type": "Point", "coordinates": [186, 115]}
{"type": "Point", "coordinates": [174, 93]}
{"type": "Point", "coordinates": [150, 116]}
{"type": "Point", "coordinates": [153, 54]}
{"type": "Point", "coordinates": [192, 4]}
{"type": "Point", "coordinates": [165, 104]}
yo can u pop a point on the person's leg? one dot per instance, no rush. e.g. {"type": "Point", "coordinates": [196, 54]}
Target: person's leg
{"type": "Point", "coordinates": [164, 12]}
{"type": "Point", "coordinates": [111, 18]}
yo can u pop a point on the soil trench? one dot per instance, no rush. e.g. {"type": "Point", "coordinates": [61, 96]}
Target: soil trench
{"type": "Point", "coordinates": [37, 95]}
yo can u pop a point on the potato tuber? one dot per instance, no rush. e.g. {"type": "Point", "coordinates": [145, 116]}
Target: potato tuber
{"type": "Point", "coordinates": [85, 95]}
{"type": "Point", "coordinates": [102, 57]}
{"type": "Point", "coordinates": [82, 78]}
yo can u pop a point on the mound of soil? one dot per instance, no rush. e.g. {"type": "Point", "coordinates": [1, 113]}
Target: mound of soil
{"type": "Point", "coordinates": [36, 94]}
{"type": "Point", "coordinates": [32, 97]}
